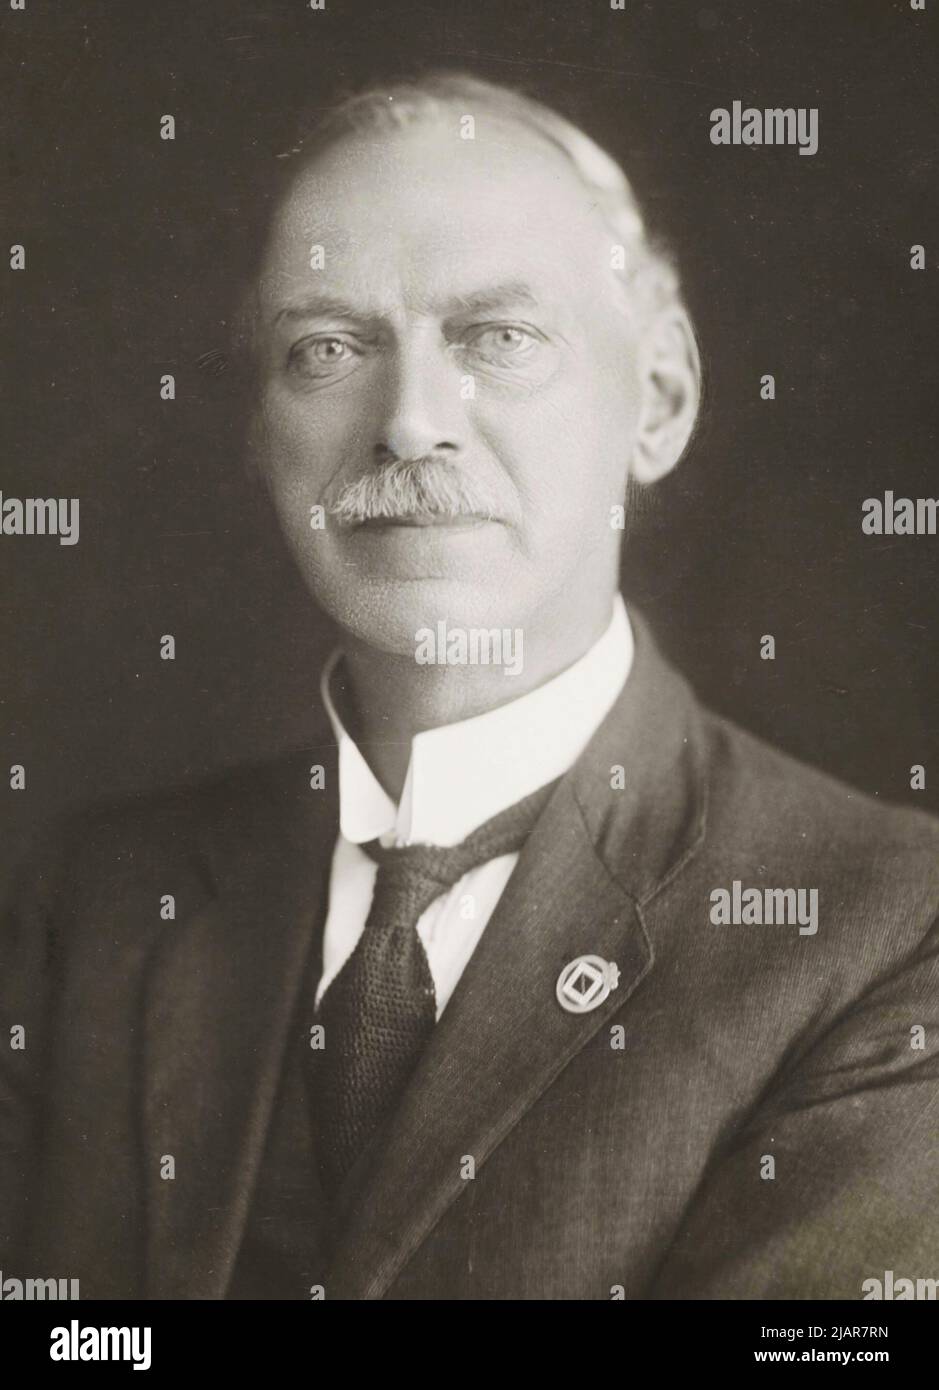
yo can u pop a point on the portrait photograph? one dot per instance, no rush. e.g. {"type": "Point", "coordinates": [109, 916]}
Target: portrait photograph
{"type": "Point", "coordinates": [470, 693]}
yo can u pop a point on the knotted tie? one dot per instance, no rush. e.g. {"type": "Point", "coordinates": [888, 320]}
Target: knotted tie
{"type": "Point", "coordinates": [380, 1009]}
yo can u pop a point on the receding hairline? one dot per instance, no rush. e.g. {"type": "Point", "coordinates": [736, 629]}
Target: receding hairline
{"type": "Point", "coordinates": [649, 280]}
{"type": "Point", "coordinates": [402, 104]}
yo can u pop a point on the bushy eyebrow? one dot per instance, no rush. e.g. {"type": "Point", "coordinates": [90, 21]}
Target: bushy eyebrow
{"type": "Point", "coordinates": [494, 298]}
{"type": "Point", "coordinates": [484, 301]}
{"type": "Point", "coordinates": [320, 306]}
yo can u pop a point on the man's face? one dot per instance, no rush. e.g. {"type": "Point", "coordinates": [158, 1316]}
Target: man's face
{"type": "Point", "coordinates": [462, 312]}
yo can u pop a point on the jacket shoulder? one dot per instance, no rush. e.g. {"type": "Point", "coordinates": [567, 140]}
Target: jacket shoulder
{"type": "Point", "coordinates": [95, 849]}
{"type": "Point", "coordinates": [778, 787]}
{"type": "Point", "coordinates": [774, 815]}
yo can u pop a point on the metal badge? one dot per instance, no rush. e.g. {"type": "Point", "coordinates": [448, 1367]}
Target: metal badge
{"type": "Point", "coordinates": [585, 983]}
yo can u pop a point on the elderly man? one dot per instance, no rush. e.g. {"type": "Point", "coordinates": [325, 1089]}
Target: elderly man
{"type": "Point", "coordinates": [531, 978]}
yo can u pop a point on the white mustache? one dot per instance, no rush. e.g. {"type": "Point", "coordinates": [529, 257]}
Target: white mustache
{"type": "Point", "coordinates": [424, 487]}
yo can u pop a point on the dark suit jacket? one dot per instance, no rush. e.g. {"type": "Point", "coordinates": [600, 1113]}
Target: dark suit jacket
{"type": "Point", "coordinates": [597, 1168]}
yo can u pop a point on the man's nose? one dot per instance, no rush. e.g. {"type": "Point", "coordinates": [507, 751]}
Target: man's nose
{"type": "Point", "coordinates": [422, 407]}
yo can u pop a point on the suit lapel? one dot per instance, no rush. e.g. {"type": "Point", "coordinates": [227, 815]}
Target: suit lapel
{"type": "Point", "coordinates": [602, 846]}
{"type": "Point", "coordinates": [220, 997]}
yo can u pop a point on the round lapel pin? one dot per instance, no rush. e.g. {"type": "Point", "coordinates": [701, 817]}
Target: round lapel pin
{"type": "Point", "coordinates": [586, 983]}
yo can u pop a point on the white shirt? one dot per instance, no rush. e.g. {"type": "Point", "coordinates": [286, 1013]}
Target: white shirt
{"type": "Point", "coordinates": [459, 776]}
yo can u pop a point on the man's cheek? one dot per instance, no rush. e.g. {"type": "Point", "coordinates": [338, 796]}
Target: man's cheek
{"type": "Point", "coordinates": [293, 444]}
{"type": "Point", "coordinates": [557, 474]}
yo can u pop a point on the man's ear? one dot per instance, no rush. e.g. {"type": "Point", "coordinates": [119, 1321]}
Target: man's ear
{"type": "Point", "coordinates": [670, 386]}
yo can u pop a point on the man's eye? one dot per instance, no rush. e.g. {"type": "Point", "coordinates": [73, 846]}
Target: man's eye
{"type": "Point", "coordinates": [319, 356]}
{"type": "Point", "coordinates": [503, 342]}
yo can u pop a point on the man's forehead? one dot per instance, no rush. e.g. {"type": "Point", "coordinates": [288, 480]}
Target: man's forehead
{"type": "Point", "coordinates": [457, 283]}
{"type": "Point", "coordinates": [426, 183]}
{"type": "Point", "coordinates": [353, 231]}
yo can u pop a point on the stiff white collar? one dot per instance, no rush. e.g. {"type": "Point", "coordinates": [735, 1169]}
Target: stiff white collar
{"type": "Point", "coordinates": [460, 775]}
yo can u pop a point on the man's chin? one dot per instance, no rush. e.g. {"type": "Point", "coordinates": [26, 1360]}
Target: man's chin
{"type": "Point", "coordinates": [409, 617]}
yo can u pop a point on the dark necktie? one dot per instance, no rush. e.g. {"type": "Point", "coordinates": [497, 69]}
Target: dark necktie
{"type": "Point", "coordinates": [380, 1009]}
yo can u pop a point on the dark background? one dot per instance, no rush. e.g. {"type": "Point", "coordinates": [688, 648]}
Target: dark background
{"type": "Point", "coordinates": [135, 247]}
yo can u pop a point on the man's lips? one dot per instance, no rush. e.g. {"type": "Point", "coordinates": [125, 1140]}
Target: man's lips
{"type": "Point", "coordinates": [465, 521]}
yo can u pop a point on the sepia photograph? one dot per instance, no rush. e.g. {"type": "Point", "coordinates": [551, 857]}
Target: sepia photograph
{"type": "Point", "coordinates": [470, 694]}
